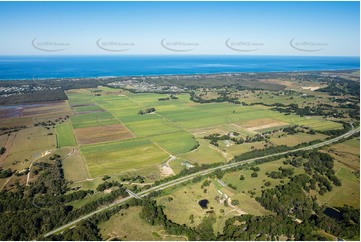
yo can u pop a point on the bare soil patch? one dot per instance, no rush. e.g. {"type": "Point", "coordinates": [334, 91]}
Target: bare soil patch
{"type": "Point", "coordinates": [10, 112]}
{"type": "Point", "coordinates": [311, 88]}
{"type": "Point", "coordinates": [60, 107]}
{"type": "Point", "coordinates": [262, 123]}
{"type": "Point", "coordinates": [29, 110]}
{"type": "Point", "coordinates": [91, 135]}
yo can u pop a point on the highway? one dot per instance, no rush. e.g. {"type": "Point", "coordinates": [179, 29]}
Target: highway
{"type": "Point", "coordinates": [200, 173]}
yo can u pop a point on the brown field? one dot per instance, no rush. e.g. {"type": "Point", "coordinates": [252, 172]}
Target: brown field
{"type": "Point", "coordinates": [266, 126]}
{"type": "Point", "coordinates": [91, 135]}
{"type": "Point", "coordinates": [261, 122]}
{"type": "Point", "coordinates": [29, 110]}
{"type": "Point", "coordinates": [57, 108]}
{"type": "Point", "coordinates": [12, 122]}
{"type": "Point", "coordinates": [10, 112]}
{"type": "Point", "coordinates": [201, 132]}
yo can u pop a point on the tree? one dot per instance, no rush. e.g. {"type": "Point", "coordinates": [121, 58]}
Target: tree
{"type": "Point", "coordinates": [2, 150]}
{"type": "Point", "coordinates": [235, 202]}
{"type": "Point", "coordinates": [106, 177]}
{"type": "Point", "coordinates": [254, 174]}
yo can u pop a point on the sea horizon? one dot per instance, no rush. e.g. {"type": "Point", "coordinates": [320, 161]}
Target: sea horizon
{"type": "Point", "coordinates": [28, 67]}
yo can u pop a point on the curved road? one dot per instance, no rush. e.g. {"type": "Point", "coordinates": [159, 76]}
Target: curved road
{"type": "Point", "coordinates": [200, 173]}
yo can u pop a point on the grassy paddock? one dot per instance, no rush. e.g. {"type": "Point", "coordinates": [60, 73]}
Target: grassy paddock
{"type": "Point", "coordinates": [75, 167]}
{"type": "Point", "coordinates": [107, 159]}
{"type": "Point", "coordinates": [65, 135]}
{"type": "Point", "coordinates": [127, 225]}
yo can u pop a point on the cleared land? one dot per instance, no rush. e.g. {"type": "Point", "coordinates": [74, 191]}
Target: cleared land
{"type": "Point", "coordinates": [184, 204]}
{"type": "Point", "coordinates": [114, 139]}
{"type": "Point", "coordinates": [292, 140]}
{"type": "Point", "coordinates": [93, 119]}
{"type": "Point", "coordinates": [255, 183]}
{"type": "Point", "coordinates": [122, 156]}
{"type": "Point", "coordinates": [127, 225]}
{"type": "Point", "coordinates": [75, 168]}
{"type": "Point", "coordinates": [169, 130]}
{"type": "Point", "coordinates": [204, 154]}
{"type": "Point", "coordinates": [97, 134]}
{"type": "Point", "coordinates": [347, 166]}
{"type": "Point", "coordinates": [65, 135]}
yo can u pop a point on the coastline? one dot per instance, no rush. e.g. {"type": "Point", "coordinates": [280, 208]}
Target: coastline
{"type": "Point", "coordinates": [76, 67]}
{"type": "Point", "coordinates": [179, 75]}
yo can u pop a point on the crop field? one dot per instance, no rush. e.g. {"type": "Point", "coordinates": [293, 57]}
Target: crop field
{"type": "Point", "coordinates": [93, 119]}
{"type": "Point", "coordinates": [79, 97]}
{"type": "Point", "coordinates": [122, 156]}
{"type": "Point", "coordinates": [53, 108]}
{"type": "Point", "coordinates": [104, 133]}
{"type": "Point", "coordinates": [112, 138]}
{"type": "Point", "coordinates": [65, 135]}
{"type": "Point", "coordinates": [90, 108]}
{"type": "Point", "coordinates": [175, 143]}
{"type": "Point", "coordinates": [115, 139]}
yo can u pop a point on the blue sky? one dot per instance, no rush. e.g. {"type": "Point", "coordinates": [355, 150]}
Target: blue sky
{"type": "Point", "coordinates": [252, 28]}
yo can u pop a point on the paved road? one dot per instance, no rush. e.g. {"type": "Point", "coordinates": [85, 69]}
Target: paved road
{"type": "Point", "coordinates": [200, 173]}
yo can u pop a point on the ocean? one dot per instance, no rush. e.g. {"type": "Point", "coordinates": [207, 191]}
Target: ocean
{"type": "Point", "coordinates": [40, 67]}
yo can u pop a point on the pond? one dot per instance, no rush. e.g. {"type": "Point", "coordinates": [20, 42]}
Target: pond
{"type": "Point", "coordinates": [203, 203]}
{"type": "Point", "coordinates": [333, 213]}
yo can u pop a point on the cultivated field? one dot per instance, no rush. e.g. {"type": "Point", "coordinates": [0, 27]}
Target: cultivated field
{"type": "Point", "coordinates": [97, 134]}
{"type": "Point", "coordinates": [115, 139]}
{"type": "Point", "coordinates": [111, 138]}
{"type": "Point", "coordinates": [65, 135]}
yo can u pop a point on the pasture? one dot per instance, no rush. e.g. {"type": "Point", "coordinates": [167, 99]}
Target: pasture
{"type": "Point", "coordinates": [122, 156]}
{"type": "Point", "coordinates": [184, 203]}
{"type": "Point", "coordinates": [255, 183]}
{"type": "Point", "coordinates": [346, 166]}
{"type": "Point", "coordinates": [348, 193]}
{"type": "Point", "coordinates": [65, 136]}
{"type": "Point", "coordinates": [204, 154]}
{"type": "Point", "coordinates": [75, 167]}
{"type": "Point", "coordinates": [127, 225]}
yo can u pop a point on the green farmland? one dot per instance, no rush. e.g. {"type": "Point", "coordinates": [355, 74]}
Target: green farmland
{"type": "Point", "coordinates": [170, 130]}
{"type": "Point", "coordinates": [65, 135]}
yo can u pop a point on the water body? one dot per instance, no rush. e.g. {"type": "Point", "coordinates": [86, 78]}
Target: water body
{"type": "Point", "coordinates": [203, 203]}
{"type": "Point", "coordinates": [40, 67]}
{"type": "Point", "coordinates": [333, 213]}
